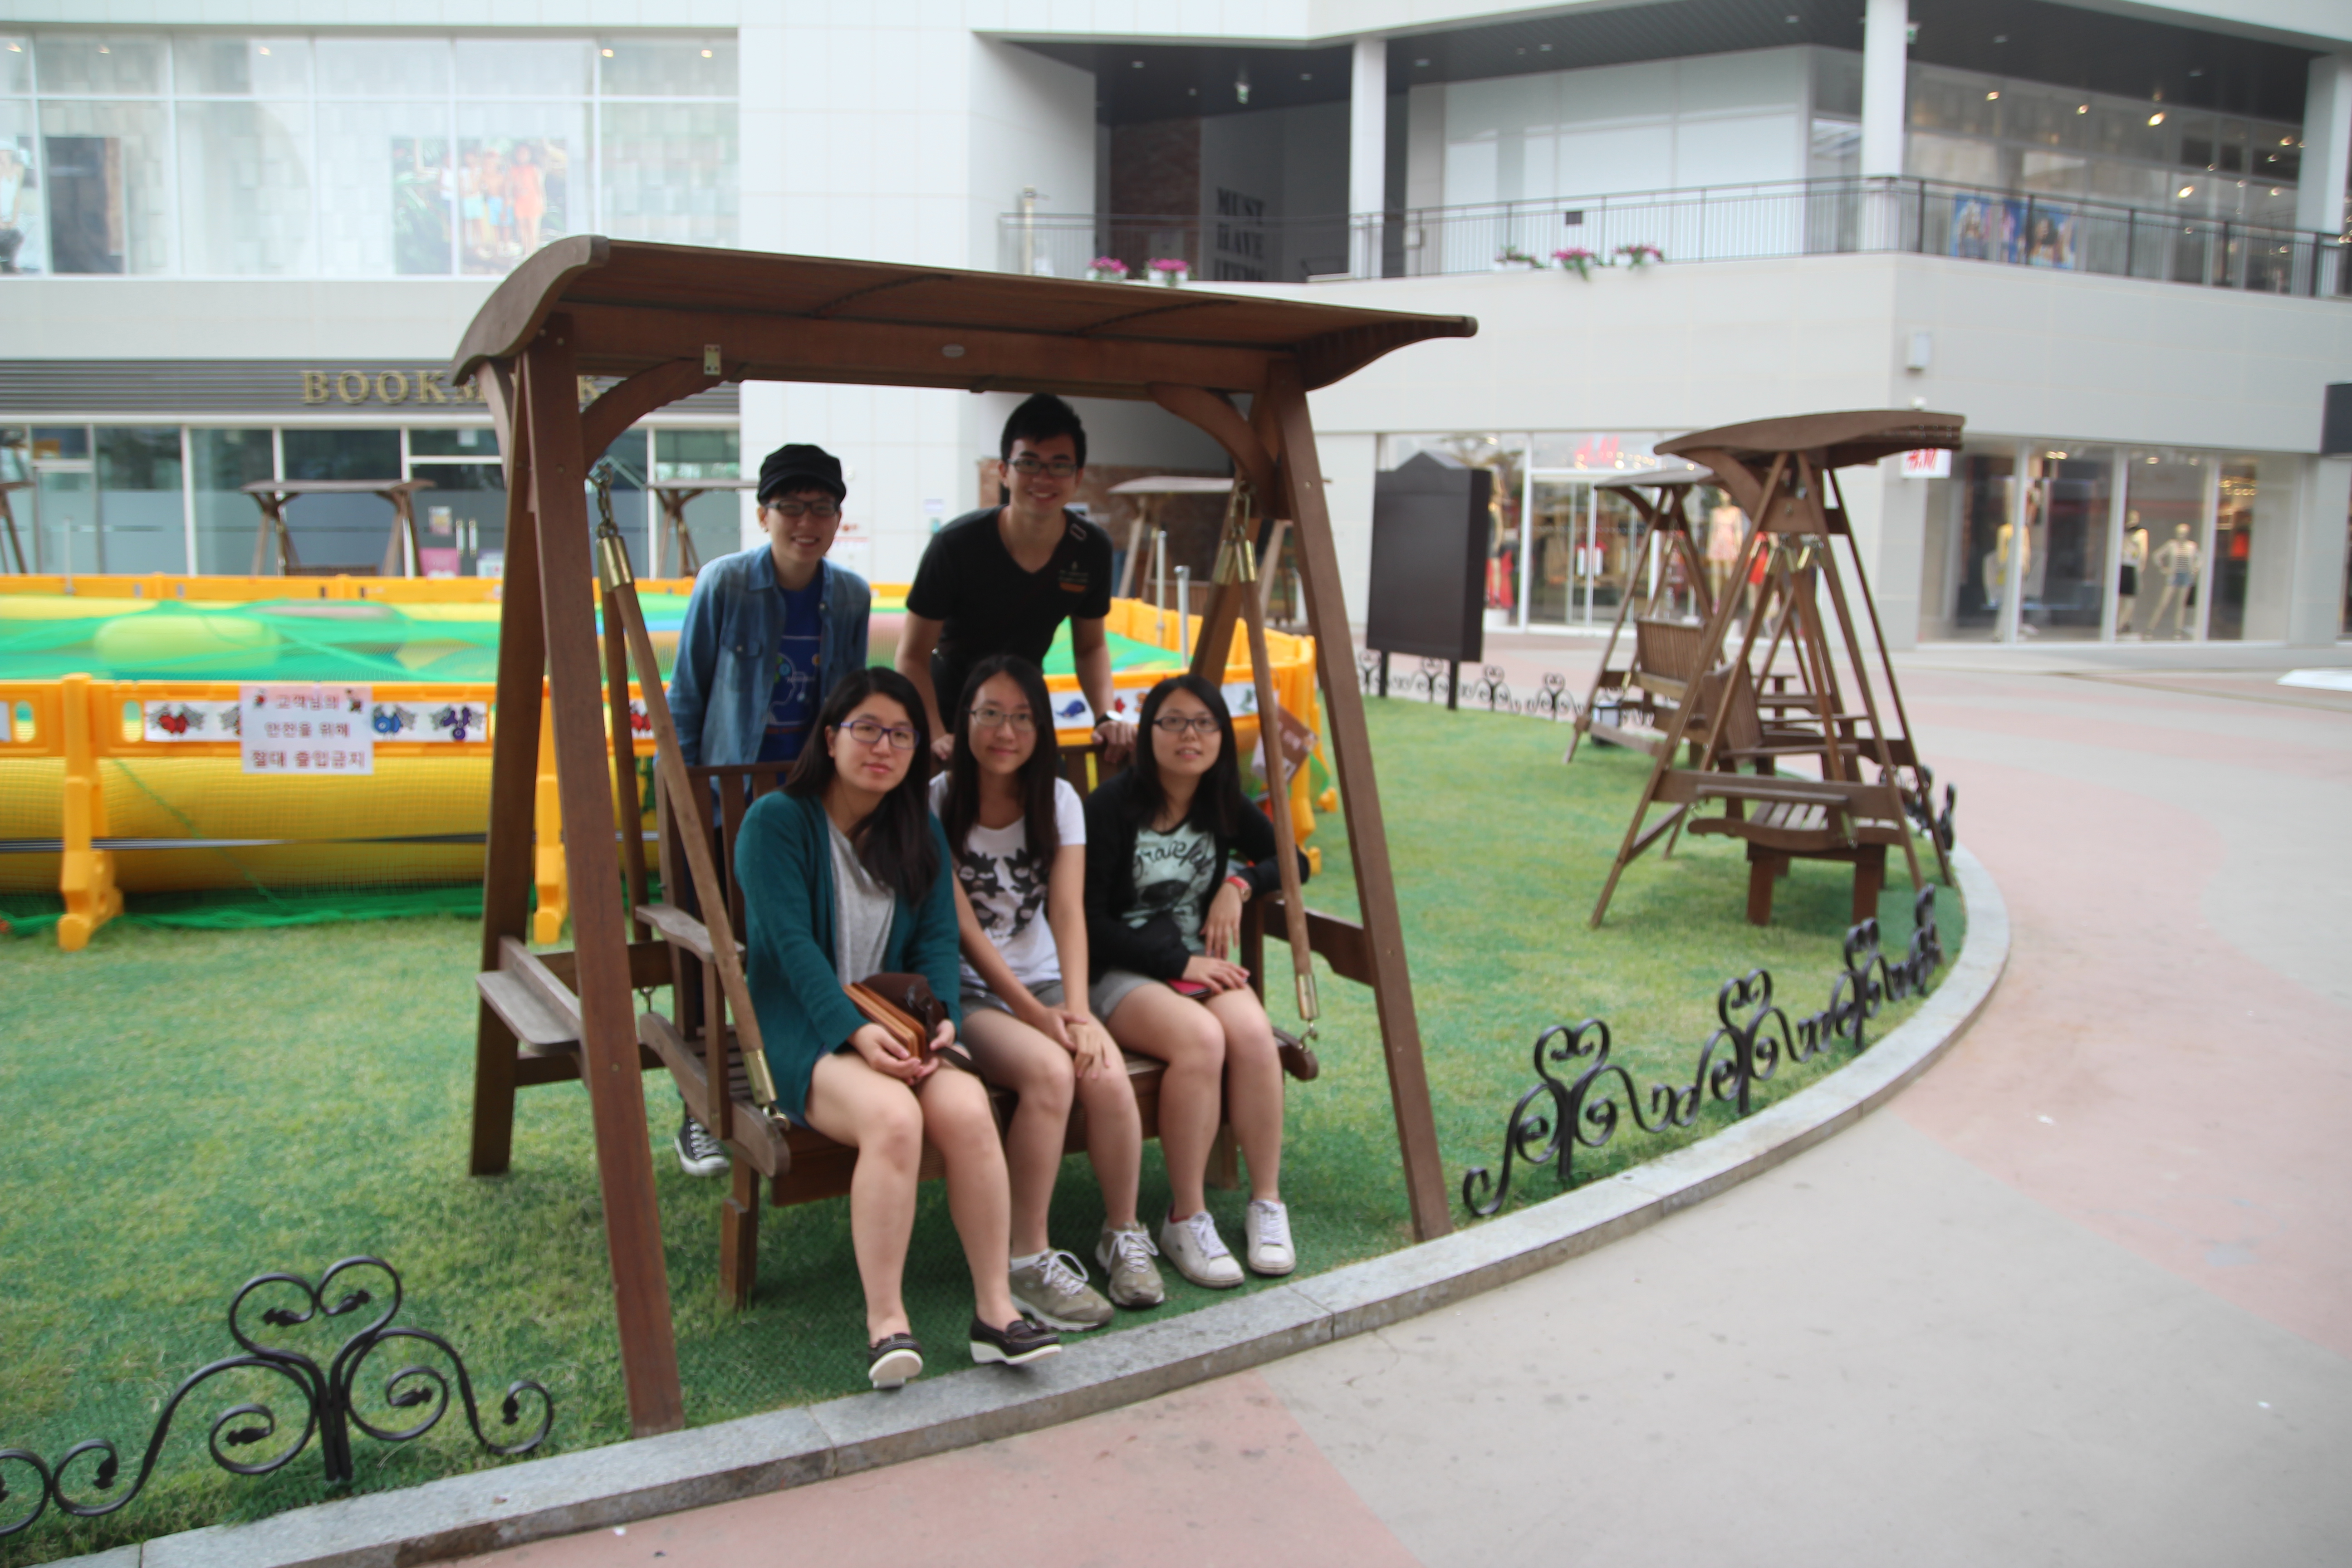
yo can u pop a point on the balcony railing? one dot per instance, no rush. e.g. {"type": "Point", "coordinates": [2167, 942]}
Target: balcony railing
{"type": "Point", "coordinates": [1723, 223]}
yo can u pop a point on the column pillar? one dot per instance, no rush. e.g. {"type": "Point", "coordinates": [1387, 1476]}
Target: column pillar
{"type": "Point", "coordinates": [2315, 608]}
{"type": "Point", "coordinates": [1368, 156]}
{"type": "Point", "coordinates": [1886, 49]}
{"type": "Point", "coordinates": [2326, 161]}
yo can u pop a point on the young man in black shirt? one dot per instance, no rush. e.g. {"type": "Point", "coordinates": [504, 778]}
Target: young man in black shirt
{"type": "Point", "coordinates": [1001, 579]}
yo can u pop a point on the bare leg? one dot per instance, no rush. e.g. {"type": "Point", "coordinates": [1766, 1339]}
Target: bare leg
{"type": "Point", "coordinates": [1253, 1088]}
{"type": "Point", "coordinates": [1155, 1021]}
{"type": "Point", "coordinates": [1114, 1138]}
{"type": "Point", "coordinates": [851, 1103]}
{"type": "Point", "coordinates": [957, 1121]}
{"type": "Point", "coordinates": [1013, 1055]}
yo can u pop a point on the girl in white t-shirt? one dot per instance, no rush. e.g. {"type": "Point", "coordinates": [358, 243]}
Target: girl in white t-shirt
{"type": "Point", "coordinates": [1018, 837]}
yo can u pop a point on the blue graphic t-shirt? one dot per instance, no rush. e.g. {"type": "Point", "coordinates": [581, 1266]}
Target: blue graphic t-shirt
{"type": "Point", "coordinates": [794, 701]}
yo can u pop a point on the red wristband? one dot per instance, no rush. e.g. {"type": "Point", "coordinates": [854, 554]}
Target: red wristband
{"type": "Point", "coordinates": [1240, 884]}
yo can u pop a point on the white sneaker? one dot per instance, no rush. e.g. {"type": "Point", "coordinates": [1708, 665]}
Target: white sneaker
{"type": "Point", "coordinates": [1265, 1237]}
{"type": "Point", "coordinates": [1199, 1253]}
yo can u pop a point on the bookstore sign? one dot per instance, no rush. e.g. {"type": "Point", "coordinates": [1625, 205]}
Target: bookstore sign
{"type": "Point", "coordinates": [168, 391]}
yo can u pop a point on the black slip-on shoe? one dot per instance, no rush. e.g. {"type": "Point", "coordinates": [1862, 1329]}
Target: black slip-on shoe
{"type": "Point", "coordinates": [1017, 1344]}
{"type": "Point", "coordinates": [891, 1361]}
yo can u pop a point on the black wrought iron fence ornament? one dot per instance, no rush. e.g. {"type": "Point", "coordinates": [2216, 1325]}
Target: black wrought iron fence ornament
{"type": "Point", "coordinates": [1581, 1098]}
{"type": "Point", "coordinates": [1433, 682]}
{"type": "Point", "coordinates": [328, 1409]}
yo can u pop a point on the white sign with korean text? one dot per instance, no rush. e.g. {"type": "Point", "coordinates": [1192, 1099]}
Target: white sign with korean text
{"type": "Point", "coordinates": [306, 730]}
{"type": "Point", "coordinates": [1927, 463]}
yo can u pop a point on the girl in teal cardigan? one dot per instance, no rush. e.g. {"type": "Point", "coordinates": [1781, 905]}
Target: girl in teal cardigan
{"type": "Point", "coordinates": [842, 874]}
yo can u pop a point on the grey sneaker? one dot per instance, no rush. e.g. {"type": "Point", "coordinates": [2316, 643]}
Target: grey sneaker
{"type": "Point", "coordinates": [698, 1154]}
{"type": "Point", "coordinates": [1199, 1253]}
{"type": "Point", "coordinates": [1055, 1291]}
{"type": "Point", "coordinates": [1126, 1255]}
{"type": "Point", "coordinates": [1265, 1237]}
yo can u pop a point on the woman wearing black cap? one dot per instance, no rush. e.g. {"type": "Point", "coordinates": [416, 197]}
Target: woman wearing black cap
{"type": "Point", "coordinates": [769, 634]}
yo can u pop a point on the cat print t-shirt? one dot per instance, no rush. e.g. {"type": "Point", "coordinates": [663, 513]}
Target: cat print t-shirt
{"type": "Point", "coordinates": [1007, 887]}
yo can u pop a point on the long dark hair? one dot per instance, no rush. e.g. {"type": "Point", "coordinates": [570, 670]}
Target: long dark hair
{"type": "Point", "coordinates": [1217, 803]}
{"type": "Point", "coordinates": [960, 812]}
{"type": "Point", "coordinates": [894, 842]}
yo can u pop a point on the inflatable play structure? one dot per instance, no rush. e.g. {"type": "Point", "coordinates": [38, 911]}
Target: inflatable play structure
{"type": "Point", "coordinates": [124, 767]}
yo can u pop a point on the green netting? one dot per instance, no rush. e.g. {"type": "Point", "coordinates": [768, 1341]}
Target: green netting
{"type": "Point", "coordinates": [43, 637]}
{"type": "Point", "coordinates": [256, 909]}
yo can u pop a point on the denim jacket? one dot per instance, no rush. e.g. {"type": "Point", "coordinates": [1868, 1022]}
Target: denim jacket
{"type": "Point", "coordinates": [726, 667]}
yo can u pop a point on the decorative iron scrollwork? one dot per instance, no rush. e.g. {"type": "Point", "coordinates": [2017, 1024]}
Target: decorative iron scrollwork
{"type": "Point", "coordinates": [1581, 1098]}
{"type": "Point", "coordinates": [329, 1407]}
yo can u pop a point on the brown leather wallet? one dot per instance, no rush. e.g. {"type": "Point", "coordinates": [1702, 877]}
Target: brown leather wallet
{"type": "Point", "coordinates": [905, 1007]}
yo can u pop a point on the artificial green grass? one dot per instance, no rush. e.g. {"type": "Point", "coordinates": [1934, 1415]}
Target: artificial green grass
{"type": "Point", "coordinates": [197, 1107]}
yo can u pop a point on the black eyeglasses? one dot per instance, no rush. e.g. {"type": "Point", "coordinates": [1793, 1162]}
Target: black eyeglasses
{"type": "Point", "coordinates": [1029, 467]}
{"type": "Point", "coordinates": [992, 717]}
{"type": "Point", "coordinates": [873, 731]}
{"type": "Point", "coordinates": [1176, 724]}
{"type": "Point", "coordinates": [823, 510]}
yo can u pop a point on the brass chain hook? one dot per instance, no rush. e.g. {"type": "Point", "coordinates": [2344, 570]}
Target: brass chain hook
{"type": "Point", "coordinates": [1237, 549]}
{"type": "Point", "coordinates": [613, 569]}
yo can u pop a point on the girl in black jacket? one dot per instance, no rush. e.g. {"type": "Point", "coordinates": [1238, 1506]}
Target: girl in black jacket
{"type": "Point", "coordinates": [1173, 852]}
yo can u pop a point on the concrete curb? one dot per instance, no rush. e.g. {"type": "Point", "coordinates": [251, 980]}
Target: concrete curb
{"type": "Point", "coordinates": [624, 1482]}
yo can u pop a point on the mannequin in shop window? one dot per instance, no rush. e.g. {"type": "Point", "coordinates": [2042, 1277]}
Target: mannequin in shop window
{"type": "Point", "coordinates": [2127, 579]}
{"type": "Point", "coordinates": [1996, 568]}
{"type": "Point", "coordinates": [2176, 572]}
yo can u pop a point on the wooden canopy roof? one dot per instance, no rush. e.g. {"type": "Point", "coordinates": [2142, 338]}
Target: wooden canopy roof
{"type": "Point", "coordinates": [1680, 473]}
{"type": "Point", "coordinates": [636, 307]}
{"type": "Point", "coordinates": [1833, 440]}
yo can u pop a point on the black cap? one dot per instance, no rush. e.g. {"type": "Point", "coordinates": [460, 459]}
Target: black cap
{"type": "Point", "coordinates": [798, 465]}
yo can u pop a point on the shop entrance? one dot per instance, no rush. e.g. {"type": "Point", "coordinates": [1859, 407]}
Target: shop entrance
{"type": "Point", "coordinates": [1580, 546]}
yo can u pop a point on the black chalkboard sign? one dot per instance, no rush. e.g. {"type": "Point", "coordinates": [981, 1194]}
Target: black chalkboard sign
{"type": "Point", "coordinates": [1430, 520]}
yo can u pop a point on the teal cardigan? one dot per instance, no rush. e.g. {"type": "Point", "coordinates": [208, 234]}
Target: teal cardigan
{"type": "Point", "coordinates": [783, 862]}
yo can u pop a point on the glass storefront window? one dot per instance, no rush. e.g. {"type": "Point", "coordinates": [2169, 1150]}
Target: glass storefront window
{"type": "Point", "coordinates": [2233, 549]}
{"type": "Point", "coordinates": [669, 172]}
{"type": "Point", "coordinates": [213, 65]}
{"type": "Point", "coordinates": [715, 519]}
{"type": "Point", "coordinates": [524, 68]}
{"type": "Point", "coordinates": [387, 195]}
{"type": "Point", "coordinates": [519, 180]}
{"type": "Point", "coordinates": [1967, 534]}
{"type": "Point", "coordinates": [15, 65]}
{"type": "Point", "coordinates": [23, 233]}
{"type": "Point", "coordinates": [1506, 456]}
{"type": "Point", "coordinates": [107, 199]}
{"type": "Point", "coordinates": [143, 524]}
{"type": "Point", "coordinates": [245, 188]}
{"type": "Point", "coordinates": [2063, 590]}
{"type": "Point", "coordinates": [667, 67]}
{"type": "Point", "coordinates": [90, 62]}
{"type": "Point", "coordinates": [383, 68]}
{"type": "Point", "coordinates": [228, 522]}
{"type": "Point", "coordinates": [2164, 530]}
{"type": "Point", "coordinates": [473, 441]}
{"type": "Point", "coordinates": [341, 530]}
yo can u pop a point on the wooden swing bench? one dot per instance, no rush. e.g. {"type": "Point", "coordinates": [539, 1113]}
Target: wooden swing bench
{"type": "Point", "coordinates": [534, 995]}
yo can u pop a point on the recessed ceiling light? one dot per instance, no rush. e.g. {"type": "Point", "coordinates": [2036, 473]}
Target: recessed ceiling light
{"type": "Point", "coordinates": [2184, 192]}
{"type": "Point", "coordinates": [1136, 64]}
{"type": "Point", "coordinates": [705, 53]}
{"type": "Point", "coordinates": [2286, 140]}
{"type": "Point", "coordinates": [608, 54]}
{"type": "Point", "coordinates": [1990, 96]}
{"type": "Point", "coordinates": [265, 49]}
{"type": "Point", "coordinates": [2157, 119]}
{"type": "Point", "coordinates": [2082, 108]}
{"type": "Point", "coordinates": [1543, 48]}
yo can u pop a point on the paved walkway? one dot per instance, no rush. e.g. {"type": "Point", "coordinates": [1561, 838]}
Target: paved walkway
{"type": "Point", "coordinates": [2084, 1296]}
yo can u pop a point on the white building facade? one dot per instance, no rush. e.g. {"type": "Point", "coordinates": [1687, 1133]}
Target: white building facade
{"type": "Point", "coordinates": [2112, 239]}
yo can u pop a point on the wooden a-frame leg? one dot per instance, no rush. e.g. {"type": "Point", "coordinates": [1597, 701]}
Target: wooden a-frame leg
{"type": "Point", "coordinates": [1764, 867]}
{"type": "Point", "coordinates": [739, 1236]}
{"type": "Point", "coordinates": [1869, 878]}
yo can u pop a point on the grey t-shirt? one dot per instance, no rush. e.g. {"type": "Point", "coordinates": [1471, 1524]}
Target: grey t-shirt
{"type": "Point", "coordinates": [1174, 875]}
{"type": "Point", "coordinates": [862, 911]}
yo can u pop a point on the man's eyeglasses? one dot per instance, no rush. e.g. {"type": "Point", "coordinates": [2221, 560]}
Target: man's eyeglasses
{"type": "Point", "coordinates": [823, 510]}
{"type": "Point", "coordinates": [1176, 724]}
{"type": "Point", "coordinates": [872, 732]}
{"type": "Point", "coordinates": [1029, 467]}
{"type": "Point", "coordinates": [1019, 720]}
